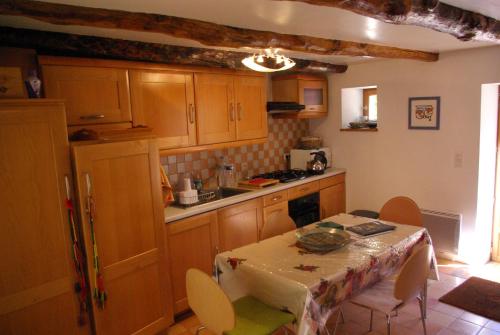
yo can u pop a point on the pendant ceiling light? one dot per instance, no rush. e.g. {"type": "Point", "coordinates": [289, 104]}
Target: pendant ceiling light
{"type": "Point", "coordinates": [268, 61]}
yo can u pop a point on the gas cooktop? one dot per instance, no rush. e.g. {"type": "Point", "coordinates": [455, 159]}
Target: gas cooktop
{"type": "Point", "coordinates": [285, 176]}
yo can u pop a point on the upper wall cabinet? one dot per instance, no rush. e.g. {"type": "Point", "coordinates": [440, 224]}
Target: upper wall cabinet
{"type": "Point", "coordinates": [164, 101]}
{"type": "Point", "coordinates": [215, 108]}
{"type": "Point", "coordinates": [230, 107]}
{"type": "Point", "coordinates": [250, 98]}
{"type": "Point", "coordinates": [308, 90]}
{"type": "Point", "coordinates": [93, 95]}
{"type": "Point", "coordinates": [184, 107]}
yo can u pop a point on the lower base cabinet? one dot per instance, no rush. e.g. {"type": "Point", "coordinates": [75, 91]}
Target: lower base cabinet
{"type": "Point", "coordinates": [192, 243]}
{"type": "Point", "coordinates": [332, 200]}
{"type": "Point", "coordinates": [240, 224]}
{"type": "Point", "coordinates": [195, 241]}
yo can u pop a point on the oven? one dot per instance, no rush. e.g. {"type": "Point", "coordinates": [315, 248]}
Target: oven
{"type": "Point", "coordinates": [304, 210]}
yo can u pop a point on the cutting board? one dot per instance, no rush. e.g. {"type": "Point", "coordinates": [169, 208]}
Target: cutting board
{"type": "Point", "coordinates": [258, 182]}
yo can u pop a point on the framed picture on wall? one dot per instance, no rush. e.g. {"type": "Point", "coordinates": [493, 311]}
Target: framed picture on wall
{"type": "Point", "coordinates": [424, 113]}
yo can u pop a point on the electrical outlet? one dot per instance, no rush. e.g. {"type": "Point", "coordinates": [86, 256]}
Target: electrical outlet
{"type": "Point", "coordinates": [458, 160]}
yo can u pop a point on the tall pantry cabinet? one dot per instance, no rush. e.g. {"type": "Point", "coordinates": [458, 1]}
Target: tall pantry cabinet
{"type": "Point", "coordinates": [120, 224]}
{"type": "Point", "coordinates": [37, 275]}
{"type": "Point", "coordinates": [120, 200]}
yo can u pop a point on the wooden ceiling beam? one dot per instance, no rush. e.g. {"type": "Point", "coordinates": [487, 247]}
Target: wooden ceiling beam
{"type": "Point", "coordinates": [61, 44]}
{"type": "Point", "coordinates": [434, 14]}
{"type": "Point", "coordinates": [207, 33]}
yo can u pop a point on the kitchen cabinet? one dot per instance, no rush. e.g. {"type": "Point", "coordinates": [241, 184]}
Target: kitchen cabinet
{"type": "Point", "coordinates": [192, 243]}
{"type": "Point", "coordinates": [308, 90]}
{"type": "Point", "coordinates": [37, 293]}
{"type": "Point", "coordinates": [332, 197]}
{"type": "Point", "coordinates": [269, 210]}
{"type": "Point", "coordinates": [119, 188]}
{"type": "Point", "coordinates": [239, 224]}
{"type": "Point", "coordinates": [164, 101]}
{"type": "Point", "coordinates": [250, 100]}
{"type": "Point", "coordinates": [93, 95]}
{"type": "Point", "coordinates": [215, 108]}
{"type": "Point", "coordinates": [302, 190]}
{"type": "Point", "coordinates": [230, 107]}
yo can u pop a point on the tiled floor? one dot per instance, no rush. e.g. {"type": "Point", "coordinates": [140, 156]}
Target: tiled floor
{"type": "Point", "coordinates": [442, 319]}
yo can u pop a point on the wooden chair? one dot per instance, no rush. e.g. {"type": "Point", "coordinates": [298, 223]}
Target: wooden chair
{"type": "Point", "coordinates": [391, 294]}
{"type": "Point", "coordinates": [276, 224]}
{"type": "Point", "coordinates": [216, 312]}
{"type": "Point", "coordinates": [401, 210]}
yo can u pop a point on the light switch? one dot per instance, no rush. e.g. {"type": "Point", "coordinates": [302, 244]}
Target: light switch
{"type": "Point", "coordinates": [458, 160]}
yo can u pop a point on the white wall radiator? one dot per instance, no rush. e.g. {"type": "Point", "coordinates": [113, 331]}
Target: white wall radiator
{"type": "Point", "coordinates": [444, 229]}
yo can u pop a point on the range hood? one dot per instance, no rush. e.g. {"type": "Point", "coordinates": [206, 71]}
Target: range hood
{"type": "Point", "coordinates": [284, 107]}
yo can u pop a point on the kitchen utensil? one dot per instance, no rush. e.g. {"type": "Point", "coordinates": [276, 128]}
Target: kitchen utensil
{"type": "Point", "coordinates": [258, 182]}
{"type": "Point", "coordinates": [318, 163]}
{"type": "Point", "coordinates": [300, 157]}
{"type": "Point", "coordinates": [188, 196]}
{"type": "Point", "coordinates": [322, 239]}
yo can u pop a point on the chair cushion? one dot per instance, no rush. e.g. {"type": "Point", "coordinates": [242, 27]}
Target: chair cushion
{"type": "Point", "coordinates": [379, 297]}
{"type": "Point", "coordinates": [256, 318]}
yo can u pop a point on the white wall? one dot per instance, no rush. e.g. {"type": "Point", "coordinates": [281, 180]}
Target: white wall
{"type": "Point", "coordinates": [417, 163]}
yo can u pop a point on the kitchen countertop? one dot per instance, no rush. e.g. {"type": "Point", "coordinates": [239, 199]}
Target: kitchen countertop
{"type": "Point", "coordinates": [175, 213]}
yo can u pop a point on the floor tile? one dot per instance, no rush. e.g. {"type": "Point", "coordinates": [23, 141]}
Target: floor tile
{"type": "Point", "coordinates": [493, 325]}
{"type": "Point", "coordinates": [486, 331]}
{"type": "Point", "coordinates": [474, 318]}
{"type": "Point", "coordinates": [464, 328]}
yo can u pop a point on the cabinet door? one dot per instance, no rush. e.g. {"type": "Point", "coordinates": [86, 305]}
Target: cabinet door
{"type": "Point", "coordinates": [36, 269]}
{"type": "Point", "coordinates": [251, 115]}
{"type": "Point", "coordinates": [192, 243]}
{"type": "Point", "coordinates": [122, 181]}
{"type": "Point", "coordinates": [239, 224]}
{"type": "Point", "coordinates": [215, 108]}
{"type": "Point", "coordinates": [278, 207]}
{"type": "Point", "coordinates": [92, 95]}
{"type": "Point", "coordinates": [332, 200]}
{"type": "Point", "coordinates": [313, 94]}
{"type": "Point", "coordinates": [165, 102]}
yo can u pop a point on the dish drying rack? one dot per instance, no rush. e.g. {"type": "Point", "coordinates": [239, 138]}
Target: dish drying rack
{"type": "Point", "coordinates": [203, 197]}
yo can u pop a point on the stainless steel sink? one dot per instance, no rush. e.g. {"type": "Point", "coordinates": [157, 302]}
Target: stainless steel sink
{"type": "Point", "coordinates": [208, 196]}
{"type": "Point", "coordinates": [226, 192]}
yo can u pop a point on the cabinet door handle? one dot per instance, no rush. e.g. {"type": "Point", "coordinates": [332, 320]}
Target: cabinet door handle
{"type": "Point", "coordinates": [240, 111]}
{"type": "Point", "coordinates": [231, 111]}
{"type": "Point", "coordinates": [191, 113]}
{"type": "Point", "coordinates": [303, 189]}
{"type": "Point", "coordinates": [92, 117]}
{"type": "Point", "coordinates": [278, 197]}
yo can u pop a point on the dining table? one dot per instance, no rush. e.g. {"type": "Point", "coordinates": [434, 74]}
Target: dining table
{"type": "Point", "coordinates": [281, 273]}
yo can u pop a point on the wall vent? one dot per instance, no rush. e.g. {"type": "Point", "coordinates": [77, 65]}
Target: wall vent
{"type": "Point", "coordinates": [444, 229]}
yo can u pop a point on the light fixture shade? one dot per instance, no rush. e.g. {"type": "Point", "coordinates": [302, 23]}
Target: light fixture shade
{"type": "Point", "coordinates": [268, 61]}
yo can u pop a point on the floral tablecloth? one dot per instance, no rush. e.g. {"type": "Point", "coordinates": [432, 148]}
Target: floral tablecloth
{"type": "Point", "coordinates": [312, 286]}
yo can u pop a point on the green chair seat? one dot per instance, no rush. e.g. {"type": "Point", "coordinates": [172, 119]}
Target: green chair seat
{"type": "Point", "coordinates": [256, 318]}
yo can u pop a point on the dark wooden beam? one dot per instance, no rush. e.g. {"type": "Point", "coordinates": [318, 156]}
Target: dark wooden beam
{"type": "Point", "coordinates": [60, 44]}
{"type": "Point", "coordinates": [207, 33]}
{"type": "Point", "coordinates": [434, 14]}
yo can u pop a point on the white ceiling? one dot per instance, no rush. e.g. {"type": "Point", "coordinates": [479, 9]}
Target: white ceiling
{"type": "Point", "coordinates": [278, 16]}
{"type": "Point", "coordinates": [489, 8]}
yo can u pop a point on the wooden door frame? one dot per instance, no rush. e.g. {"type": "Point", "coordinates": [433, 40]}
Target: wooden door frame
{"type": "Point", "coordinates": [495, 250]}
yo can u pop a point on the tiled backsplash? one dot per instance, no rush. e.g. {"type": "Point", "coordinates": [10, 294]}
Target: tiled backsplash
{"type": "Point", "coordinates": [248, 160]}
